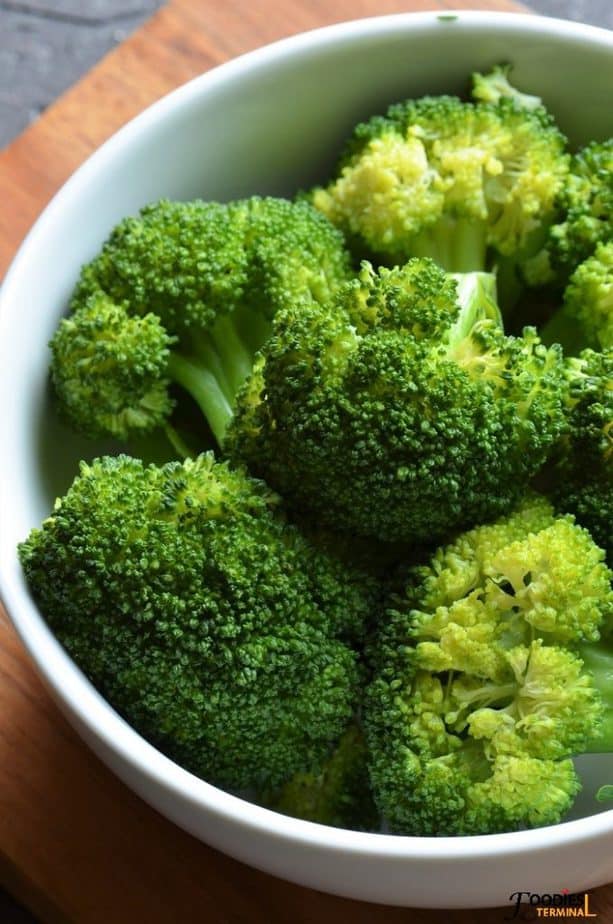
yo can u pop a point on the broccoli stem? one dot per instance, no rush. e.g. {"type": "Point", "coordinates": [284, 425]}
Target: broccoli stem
{"type": "Point", "coordinates": [598, 658]}
{"type": "Point", "coordinates": [218, 362]}
{"type": "Point", "coordinates": [205, 389]}
{"type": "Point", "coordinates": [477, 300]}
{"type": "Point", "coordinates": [458, 245]}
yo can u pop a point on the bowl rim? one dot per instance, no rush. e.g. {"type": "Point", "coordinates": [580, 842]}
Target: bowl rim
{"type": "Point", "coordinates": [71, 688]}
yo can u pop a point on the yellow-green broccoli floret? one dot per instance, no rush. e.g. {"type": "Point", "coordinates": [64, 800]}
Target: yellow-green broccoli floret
{"type": "Point", "coordinates": [461, 182]}
{"type": "Point", "coordinates": [496, 85]}
{"type": "Point", "coordinates": [490, 675]}
{"type": "Point", "coordinates": [185, 293]}
{"type": "Point", "coordinates": [206, 619]}
{"type": "Point", "coordinates": [401, 411]}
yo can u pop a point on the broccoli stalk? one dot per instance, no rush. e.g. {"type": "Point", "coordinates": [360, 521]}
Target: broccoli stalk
{"type": "Point", "coordinates": [459, 245]}
{"type": "Point", "coordinates": [218, 363]}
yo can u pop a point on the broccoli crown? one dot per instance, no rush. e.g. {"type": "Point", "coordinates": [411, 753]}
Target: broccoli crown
{"type": "Point", "coordinates": [184, 261]}
{"type": "Point", "coordinates": [443, 178]}
{"type": "Point", "coordinates": [293, 253]}
{"type": "Point", "coordinates": [479, 698]}
{"type": "Point", "coordinates": [185, 293]}
{"type": "Point", "coordinates": [583, 483]}
{"type": "Point", "coordinates": [204, 618]}
{"type": "Point", "coordinates": [587, 201]}
{"type": "Point", "coordinates": [404, 412]}
{"type": "Point", "coordinates": [336, 793]}
{"type": "Point", "coordinates": [110, 370]}
{"type": "Point", "coordinates": [588, 301]}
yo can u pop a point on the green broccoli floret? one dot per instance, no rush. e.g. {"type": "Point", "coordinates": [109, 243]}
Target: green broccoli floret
{"type": "Point", "coordinates": [490, 675]}
{"type": "Point", "coordinates": [336, 793]}
{"type": "Point", "coordinates": [583, 478]}
{"type": "Point", "coordinates": [463, 183]}
{"type": "Point", "coordinates": [587, 200]}
{"type": "Point", "coordinates": [586, 317]}
{"type": "Point", "coordinates": [203, 617]}
{"type": "Point", "coordinates": [402, 412]}
{"type": "Point", "coordinates": [590, 499]}
{"type": "Point", "coordinates": [185, 293]}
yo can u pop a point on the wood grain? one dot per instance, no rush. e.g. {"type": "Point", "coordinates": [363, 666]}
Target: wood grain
{"type": "Point", "coordinates": [75, 844]}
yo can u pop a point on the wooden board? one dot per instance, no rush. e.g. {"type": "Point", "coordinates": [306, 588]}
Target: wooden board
{"type": "Point", "coordinates": [75, 844]}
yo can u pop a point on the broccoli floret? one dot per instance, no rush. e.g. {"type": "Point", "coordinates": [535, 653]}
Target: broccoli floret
{"type": "Point", "coordinates": [206, 619]}
{"type": "Point", "coordinates": [449, 180]}
{"type": "Point", "coordinates": [489, 676]}
{"type": "Point", "coordinates": [590, 499]}
{"type": "Point", "coordinates": [586, 317]}
{"type": "Point", "coordinates": [185, 293]}
{"type": "Point", "coordinates": [110, 369]}
{"type": "Point", "coordinates": [587, 201]}
{"type": "Point", "coordinates": [494, 86]}
{"type": "Point", "coordinates": [583, 477]}
{"type": "Point", "coordinates": [402, 412]}
{"type": "Point", "coordinates": [337, 793]}
{"type": "Point", "coordinates": [589, 405]}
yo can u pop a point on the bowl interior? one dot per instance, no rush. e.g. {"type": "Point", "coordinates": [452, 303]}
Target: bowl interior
{"type": "Point", "coordinates": [270, 123]}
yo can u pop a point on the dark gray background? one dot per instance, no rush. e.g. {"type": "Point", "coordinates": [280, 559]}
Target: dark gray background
{"type": "Point", "coordinates": [45, 45]}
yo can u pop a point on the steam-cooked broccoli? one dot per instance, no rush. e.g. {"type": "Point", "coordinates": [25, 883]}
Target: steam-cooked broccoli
{"type": "Point", "coordinates": [207, 620]}
{"type": "Point", "coordinates": [586, 317]}
{"type": "Point", "coordinates": [401, 411]}
{"type": "Point", "coordinates": [490, 675]}
{"type": "Point", "coordinates": [185, 293]}
{"type": "Point", "coordinates": [450, 180]}
{"type": "Point", "coordinates": [586, 200]}
{"type": "Point", "coordinates": [583, 480]}
{"type": "Point", "coordinates": [391, 410]}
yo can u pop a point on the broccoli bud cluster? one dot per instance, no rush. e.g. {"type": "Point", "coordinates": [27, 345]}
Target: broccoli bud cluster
{"type": "Point", "coordinates": [481, 695]}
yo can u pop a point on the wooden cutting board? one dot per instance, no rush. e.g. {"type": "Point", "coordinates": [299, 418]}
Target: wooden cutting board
{"type": "Point", "coordinates": [75, 844]}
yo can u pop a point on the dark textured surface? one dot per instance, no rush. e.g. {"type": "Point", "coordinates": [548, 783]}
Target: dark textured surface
{"type": "Point", "coordinates": [45, 45]}
{"type": "Point", "coordinates": [10, 913]}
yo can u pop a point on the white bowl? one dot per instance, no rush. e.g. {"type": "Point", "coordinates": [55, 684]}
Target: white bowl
{"type": "Point", "coordinates": [271, 122]}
